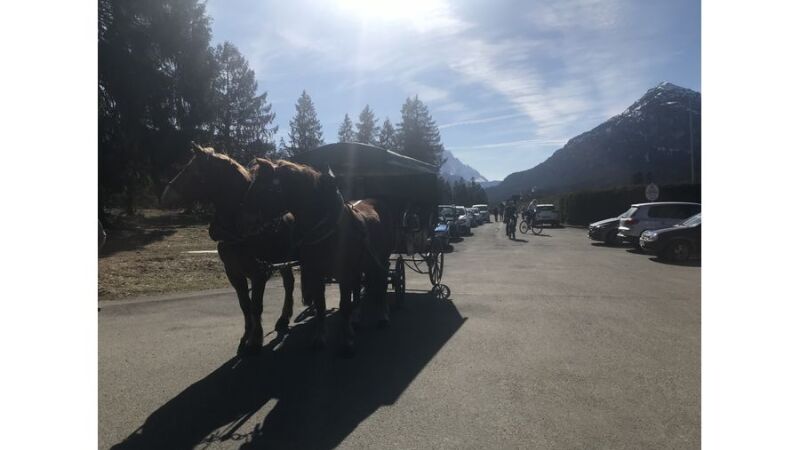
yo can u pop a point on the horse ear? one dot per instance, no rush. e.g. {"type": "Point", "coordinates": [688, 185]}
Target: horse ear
{"type": "Point", "coordinates": [328, 175]}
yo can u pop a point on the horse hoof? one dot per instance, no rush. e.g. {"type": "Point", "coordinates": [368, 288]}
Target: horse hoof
{"type": "Point", "coordinates": [282, 325]}
{"type": "Point", "coordinates": [383, 324]}
{"type": "Point", "coordinates": [241, 348]}
{"type": "Point", "coordinates": [252, 350]}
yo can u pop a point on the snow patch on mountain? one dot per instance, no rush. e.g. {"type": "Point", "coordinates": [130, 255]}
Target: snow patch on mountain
{"type": "Point", "coordinates": [453, 169]}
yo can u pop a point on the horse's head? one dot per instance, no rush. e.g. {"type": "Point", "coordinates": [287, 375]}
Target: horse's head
{"type": "Point", "coordinates": [207, 175]}
{"type": "Point", "coordinates": [265, 198]}
{"type": "Point", "coordinates": [278, 187]}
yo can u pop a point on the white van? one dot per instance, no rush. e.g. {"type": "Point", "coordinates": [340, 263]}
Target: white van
{"type": "Point", "coordinates": [547, 214]}
{"type": "Point", "coordinates": [653, 216]}
{"type": "Point", "coordinates": [484, 212]}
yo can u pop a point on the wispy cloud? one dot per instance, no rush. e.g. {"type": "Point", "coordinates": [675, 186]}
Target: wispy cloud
{"type": "Point", "coordinates": [481, 120]}
{"type": "Point", "coordinates": [553, 70]}
{"type": "Point", "coordinates": [556, 142]}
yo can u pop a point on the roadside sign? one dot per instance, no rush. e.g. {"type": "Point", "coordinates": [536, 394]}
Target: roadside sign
{"type": "Point", "coordinates": [651, 192]}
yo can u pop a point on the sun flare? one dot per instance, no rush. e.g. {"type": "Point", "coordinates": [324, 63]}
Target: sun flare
{"type": "Point", "coordinates": [418, 13]}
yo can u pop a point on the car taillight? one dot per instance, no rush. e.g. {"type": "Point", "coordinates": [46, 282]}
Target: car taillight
{"type": "Point", "coordinates": [630, 221]}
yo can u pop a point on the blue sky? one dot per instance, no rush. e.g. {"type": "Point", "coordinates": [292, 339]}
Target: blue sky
{"type": "Point", "coordinates": [508, 82]}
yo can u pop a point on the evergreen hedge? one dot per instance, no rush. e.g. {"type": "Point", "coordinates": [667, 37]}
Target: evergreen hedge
{"type": "Point", "coordinates": [583, 208]}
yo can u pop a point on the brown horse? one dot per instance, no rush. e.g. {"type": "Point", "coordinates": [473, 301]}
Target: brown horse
{"type": "Point", "coordinates": [216, 178]}
{"type": "Point", "coordinates": [336, 240]}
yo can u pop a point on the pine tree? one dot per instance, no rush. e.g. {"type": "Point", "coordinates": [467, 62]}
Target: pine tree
{"type": "Point", "coordinates": [460, 196]}
{"type": "Point", "coordinates": [305, 130]}
{"type": "Point", "coordinates": [283, 149]}
{"type": "Point", "coordinates": [477, 196]}
{"type": "Point", "coordinates": [445, 191]}
{"type": "Point", "coordinates": [367, 129]}
{"type": "Point", "coordinates": [241, 127]}
{"type": "Point", "coordinates": [346, 133]}
{"type": "Point", "coordinates": [154, 91]}
{"type": "Point", "coordinates": [387, 136]}
{"type": "Point", "coordinates": [417, 133]}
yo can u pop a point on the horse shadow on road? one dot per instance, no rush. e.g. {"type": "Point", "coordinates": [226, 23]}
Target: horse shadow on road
{"type": "Point", "coordinates": [319, 398]}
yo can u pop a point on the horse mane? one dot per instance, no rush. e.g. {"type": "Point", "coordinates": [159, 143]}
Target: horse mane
{"type": "Point", "coordinates": [300, 171]}
{"type": "Point", "coordinates": [223, 160]}
{"type": "Point", "coordinates": [231, 178]}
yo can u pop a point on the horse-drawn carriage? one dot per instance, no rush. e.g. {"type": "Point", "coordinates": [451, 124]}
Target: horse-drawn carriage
{"type": "Point", "coordinates": [409, 186]}
{"type": "Point", "coordinates": [281, 214]}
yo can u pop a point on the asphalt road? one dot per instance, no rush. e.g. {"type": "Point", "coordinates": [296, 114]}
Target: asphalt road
{"type": "Point", "coordinates": [547, 342]}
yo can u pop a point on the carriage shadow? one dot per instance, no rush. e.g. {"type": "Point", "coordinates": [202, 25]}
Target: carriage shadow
{"type": "Point", "coordinates": [317, 399]}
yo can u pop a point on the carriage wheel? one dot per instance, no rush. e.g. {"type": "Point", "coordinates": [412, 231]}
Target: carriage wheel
{"type": "Point", "coordinates": [441, 291]}
{"type": "Point", "coordinates": [399, 281]}
{"type": "Point", "coordinates": [523, 227]}
{"type": "Point", "coordinates": [435, 267]}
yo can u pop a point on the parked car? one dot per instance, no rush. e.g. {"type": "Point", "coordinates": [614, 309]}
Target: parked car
{"type": "Point", "coordinates": [604, 230]}
{"type": "Point", "coordinates": [484, 212]}
{"type": "Point", "coordinates": [653, 216]}
{"type": "Point", "coordinates": [548, 214]}
{"type": "Point", "coordinates": [463, 220]}
{"type": "Point", "coordinates": [441, 234]}
{"type": "Point", "coordinates": [447, 215]}
{"type": "Point", "coordinates": [676, 243]}
{"type": "Point", "coordinates": [476, 216]}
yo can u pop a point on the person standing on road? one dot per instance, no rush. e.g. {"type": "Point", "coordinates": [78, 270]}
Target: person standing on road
{"type": "Point", "coordinates": [510, 219]}
{"type": "Point", "coordinates": [494, 211]}
{"type": "Point", "coordinates": [509, 211]}
{"type": "Point", "coordinates": [530, 214]}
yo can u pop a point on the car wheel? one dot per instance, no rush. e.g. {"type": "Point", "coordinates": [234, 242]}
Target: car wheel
{"type": "Point", "coordinates": [639, 243]}
{"type": "Point", "coordinates": [611, 237]}
{"type": "Point", "coordinates": [678, 251]}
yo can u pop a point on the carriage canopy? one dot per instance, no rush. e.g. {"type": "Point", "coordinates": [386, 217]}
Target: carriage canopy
{"type": "Point", "coordinates": [367, 171]}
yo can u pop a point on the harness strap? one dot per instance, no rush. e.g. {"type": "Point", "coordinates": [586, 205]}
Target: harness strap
{"type": "Point", "coordinates": [306, 241]}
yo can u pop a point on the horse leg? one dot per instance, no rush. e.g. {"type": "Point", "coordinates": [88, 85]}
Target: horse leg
{"type": "Point", "coordinates": [313, 286]}
{"type": "Point", "coordinates": [239, 283]}
{"type": "Point", "coordinates": [356, 311]}
{"type": "Point", "coordinates": [376, 282]}
{"type": "Point", "coordinates": [282, 325]}
{"type": "Point", "coordinates": [256, 338]}
{"type": "Point", "coordinates": [347, 289]}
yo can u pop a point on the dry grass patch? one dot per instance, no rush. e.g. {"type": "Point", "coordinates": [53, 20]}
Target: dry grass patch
{"type": "Point", "coordinates": [146, 255]}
